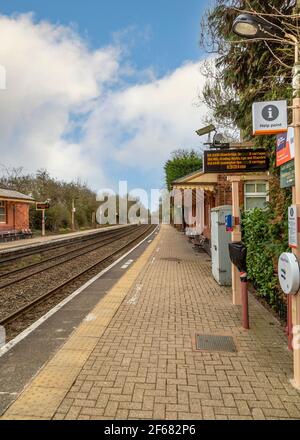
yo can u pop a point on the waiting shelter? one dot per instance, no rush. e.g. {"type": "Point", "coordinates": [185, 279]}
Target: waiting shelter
{"type": "Point", "coordinates": [216, 191]}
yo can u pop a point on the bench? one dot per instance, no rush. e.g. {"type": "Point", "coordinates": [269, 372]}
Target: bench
{"type": "Point", "coordinates": [13, 235]}
{"type": "Point", "coordinates": [199, 241]}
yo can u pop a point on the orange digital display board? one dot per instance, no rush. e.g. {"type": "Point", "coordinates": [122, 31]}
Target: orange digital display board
{"type": "Point", "coordinates": [235, 161]}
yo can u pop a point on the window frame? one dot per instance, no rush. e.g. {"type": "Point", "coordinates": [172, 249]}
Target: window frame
{"type": "Point", "coordinates": [3, 204]}
{"type": "Point", "coordinates": [256, 194]}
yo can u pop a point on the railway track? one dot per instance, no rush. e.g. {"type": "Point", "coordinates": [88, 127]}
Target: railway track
{"type": "Point", "coordinates": [134, 236]}
{"type": "Point", "coordinates": [7, 257]}
{"type": "Point", "coordinates": [62, 257]}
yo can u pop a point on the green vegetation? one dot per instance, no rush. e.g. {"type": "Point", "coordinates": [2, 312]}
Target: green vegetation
{"type": "Point", "coordinates": [59, 218]}
{"type": "Point", "coordinates": [241, 74]}
{"type": "Point", "coordinates": [244, 72]}
{"type": "Point", "coordinates": [43, 187]}
{"type": "Point", "coordinates": [265, 239]}
{"type": "Point", "coordinates": [182, 163]}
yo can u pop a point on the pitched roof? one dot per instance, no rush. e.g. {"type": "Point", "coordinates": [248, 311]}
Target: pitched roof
{"type": "Point", "coordinates": [15, 195]}
{"type": "Point", "coordinates": [191, 175]}
{"type": "Point", "coordinates": [197, 179]}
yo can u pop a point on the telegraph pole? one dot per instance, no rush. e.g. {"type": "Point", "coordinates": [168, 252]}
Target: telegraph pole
{"type": "Point", "coordinates": [73, 215]}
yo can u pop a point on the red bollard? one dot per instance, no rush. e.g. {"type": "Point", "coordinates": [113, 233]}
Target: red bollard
{"type": "Point", "coordinates": [245, 302]}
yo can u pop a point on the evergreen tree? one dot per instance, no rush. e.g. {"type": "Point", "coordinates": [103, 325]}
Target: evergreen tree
{"type": "Point", "coordinates": [182, 163]}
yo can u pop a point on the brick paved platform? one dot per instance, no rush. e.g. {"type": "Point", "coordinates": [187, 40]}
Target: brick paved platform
{"type": "Point", "coordinates": [135, 355]}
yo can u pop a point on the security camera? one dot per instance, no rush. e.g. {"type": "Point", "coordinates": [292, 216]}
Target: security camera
{"type": "Point", "coordinates": [206, 130]}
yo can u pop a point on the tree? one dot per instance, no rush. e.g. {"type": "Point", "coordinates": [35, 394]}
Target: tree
{"type": "Point", "coordinates": [182, 163]}
{"type": "Point", "coordinates": [42, 186]}
{"type": "Point", "coordinates": [241, 73]}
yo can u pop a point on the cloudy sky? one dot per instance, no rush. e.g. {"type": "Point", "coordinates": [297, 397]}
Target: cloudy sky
{"type": "Point", "coordinates": [100, 90]}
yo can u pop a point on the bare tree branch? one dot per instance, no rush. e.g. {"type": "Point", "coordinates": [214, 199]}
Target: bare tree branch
{"type": "Point", "coordinates": [263, 14]}
{"type": "Point", "coordinates": [275, 56]}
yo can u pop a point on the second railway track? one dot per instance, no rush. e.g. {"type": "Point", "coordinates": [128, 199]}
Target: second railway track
{"type": "Point", "coordinates": [20, 274]}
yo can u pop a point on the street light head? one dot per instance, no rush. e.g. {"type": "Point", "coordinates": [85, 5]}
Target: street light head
{"type": "Point", "coordinates": [252, 26]}
{"type": "Point", "coordinates": [244, 29]}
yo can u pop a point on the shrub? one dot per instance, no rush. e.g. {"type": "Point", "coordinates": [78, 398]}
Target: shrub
{"type": "Point", "coordinates": [265, 238]}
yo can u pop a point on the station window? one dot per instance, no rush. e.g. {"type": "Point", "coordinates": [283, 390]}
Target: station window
{"type": "Point", "coordinates": [2, 212]}
{"type": "Point", "coordinates": [256, 195]}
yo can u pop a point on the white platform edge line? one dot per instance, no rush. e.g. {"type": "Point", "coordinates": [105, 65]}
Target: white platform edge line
{"type": "Point", "coordinates": [7, 347]}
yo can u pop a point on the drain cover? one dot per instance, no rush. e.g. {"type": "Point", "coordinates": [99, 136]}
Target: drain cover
{"type": "Point", "coordinates": [215, 343]}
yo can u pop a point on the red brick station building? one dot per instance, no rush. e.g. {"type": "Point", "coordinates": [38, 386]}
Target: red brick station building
{"type": "Point", "coordinates": [14, 212]}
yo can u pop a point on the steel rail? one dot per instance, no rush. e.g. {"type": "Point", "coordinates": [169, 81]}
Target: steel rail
{"type": "Point", "coordinates": [107, 241]}
{"type": "Point", "coordinates": [95, 246]}
{"type": "Point", "coordinates": [45, 247]}
{"type": "Point", "coordinates": [55, 290]}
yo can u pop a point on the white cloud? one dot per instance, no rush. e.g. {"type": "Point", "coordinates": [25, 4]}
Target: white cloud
{"type": "Point", "coordinates": [61, 112]}
{"type": "Point", "coordinates": [51, 75]}
{"type": "Point", "coordinates": [142, 124]}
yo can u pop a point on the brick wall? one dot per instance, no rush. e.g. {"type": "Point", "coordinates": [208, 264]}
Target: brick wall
{"type": "Point", "coordinates": [17, 216]}
{"type": "Point", "coordinates": [22, 216]}
{"type": "Point", "coordinates": [224, 193]}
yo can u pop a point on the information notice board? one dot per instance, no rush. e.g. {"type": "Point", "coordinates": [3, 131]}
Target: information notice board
{"type": "Point", "coordinates": [235, 161]}
{"type": "Point", "coordinates": [287, 175]}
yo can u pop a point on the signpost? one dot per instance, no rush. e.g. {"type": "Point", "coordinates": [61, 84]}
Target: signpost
{"type": "Point", "coordinates": [236, 236]}
{"type": "Point", "coordinates": [235, 161]}
{"type": "Point", "coordinates": [269, 117]}
{"type": "Point", "coordinates": [42, 207]}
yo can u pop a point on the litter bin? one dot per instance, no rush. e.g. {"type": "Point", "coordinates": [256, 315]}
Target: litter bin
{"type": "Point", "coordinates": [238, 256]}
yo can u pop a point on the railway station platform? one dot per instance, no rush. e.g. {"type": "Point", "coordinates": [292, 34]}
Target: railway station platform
{"type": "Point", "coordinates": [36, 241]}
{"type": "Point", "coordinates": [135, 354]}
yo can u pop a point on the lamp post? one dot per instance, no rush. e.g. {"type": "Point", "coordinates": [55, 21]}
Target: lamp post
{"type": "Point", "coordinates": [257, 28]}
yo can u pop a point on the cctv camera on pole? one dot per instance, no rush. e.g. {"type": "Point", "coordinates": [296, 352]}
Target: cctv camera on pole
{"type": "Point", "coordinates": [206, 130]}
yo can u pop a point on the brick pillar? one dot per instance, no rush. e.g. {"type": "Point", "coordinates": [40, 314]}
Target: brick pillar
{"type": "Point", "coordinates": [223, 191]}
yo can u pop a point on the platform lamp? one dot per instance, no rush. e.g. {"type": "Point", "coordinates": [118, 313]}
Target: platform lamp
{"type": "Point", "coordinates": [255, 28]}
